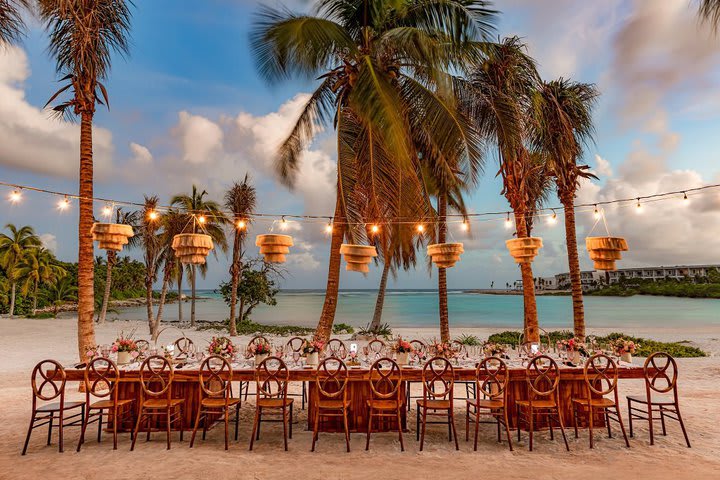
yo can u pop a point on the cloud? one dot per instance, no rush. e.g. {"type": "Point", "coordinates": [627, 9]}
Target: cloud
{"type": "Point", "coordinates": [49, 241]}
{"type": "Point", "coordinates": [201, 138]}
{"type": "Point", "coordinates": [141, 154]}
{"type": "Point", "coordinates": [33, 140]}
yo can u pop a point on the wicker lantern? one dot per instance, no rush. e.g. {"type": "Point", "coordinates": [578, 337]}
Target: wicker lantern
{"type": "Point", "coordinates": [358, 257]}
{"type": "Point", "coordinates": [192, 248]}
{"type": "Point", "coordinates": [445, 255]}
{"type": "Point", "coordinates": [274, 247]}
{"type": "Point", "coordinates": [524, 250]}
{"type": "Point", "coordinates": [604, 251]}
{"type": "Point", "coordinates": [111, 236]}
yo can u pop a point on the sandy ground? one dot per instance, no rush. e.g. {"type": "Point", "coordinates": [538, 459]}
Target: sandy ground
{"type": "Point", "coordinates": [24, 342]}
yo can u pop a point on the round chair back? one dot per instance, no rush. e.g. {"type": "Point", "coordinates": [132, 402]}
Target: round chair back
{"type": "Point", "coordinates": [661, 372]}
{"type": "Point", "coordinates": [52, 381]}
{"type": "Point", "coordinates": [601, 375]}
{"type": "Point", "coordinates": [543, 376]}
{"type": "Point", "coordinates": [377, 346]}
{"type": "Point", "coordinates": [256, 340]}
{"type": "Point", "coordinates": [215, 376]}
{"type": "Point", "coordinates": [420, 347]}
{"type": "Point", "coordinates": [184, 346]}
{"type": "Point", "coordinates": [385, 378]}
{"type": "Point", "coordinates": [336, 348]}
{"type": "Point", "coordinates": [271, 378]}
{"type": "Point", "coordinates": [492, 377]}
{"type": "Point", "coordinates": [295, 344]}
{"type": "Point", "coordinates": [438, 378]}
{"type": "Point", "coordinates": [459, 347]}
{"type": "Point", "coordinates": [143, 346]}
{"type": "Point", "coordinates": [101, 377]}
{"type": "Point", "coordinates": [156, 376]}
{"type": "Point", "coordinates": [331, 377]}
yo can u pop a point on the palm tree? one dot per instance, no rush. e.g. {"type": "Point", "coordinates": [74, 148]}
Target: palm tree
{"type": "Point", "coordinates": [709, 11]}
{"type": "Point", "coordinates": [562, 124]}
{"type": "Point", "coordinates": [59, 293]}
{"type": "Point", "coordinates": [83, 36]}
{"type": "Point", "coordinates": [149, 237]}
{"type": "Point", "coordinates": [38, 265]}
{"type": "Point", "coordinates": [173, 223]}
{"type": "Point", "coordinates": [195, 208]}
{"type": "Point", "coordinates": [12, 25]}
{"type": "Point", "coordinates": [13, 249]}
{"type": "Point", "coordinates": [240, 199]}
{"type": "Point", "coordinates": [500, 102]}
{"type": "Point", "coordinates": [380, 64]}
{"type": "Point", "coordinates": [126, 218]}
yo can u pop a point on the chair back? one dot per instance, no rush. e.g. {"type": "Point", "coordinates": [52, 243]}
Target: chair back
{"type": "Point", "coordinates": [377, 346]}
{"type": "Point", "coordinates": [184, 346]}
{"type": "Point", "coordinates": [438, 379]}
{"type": "Point", "coordinates": [492, 377]}
{"type": "Point", "coordinates": [156, 376]}
{"type": "Point", "coordinates": [332, 377]}
{"type": "Point", "coordinates": [271, 378]}
{"type": "Point", "coordinates": [143, 346]}
{"type": "Point", "coordinates": [101, 377]}
{"type": "Point", "coordinates": [543, 376]}
{"type": "Point", "coordinates": [458, 347]}
{"type": "Point", "coordinates": [51, 377]}
{"type": "Point", "coordinates": [385, 378]}
{"type": "Point", "coordinates": [601, 375]}
{"type": "Point", "coordinates": [661, 373]}
{"type": "Point", "coordinates": [295, 344]}
{"type": "Point", "coordinates": [215, 377]}
{"type": "Point", "coordinates": [336, 348]}
{"type": "Point", "coordinates": [420, 347]}
{"type": "Point", "coordinates": [256, 340]}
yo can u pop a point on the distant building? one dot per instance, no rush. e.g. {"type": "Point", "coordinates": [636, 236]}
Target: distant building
{"type": "Point", "coordinates": [592, 278]}
{"type": "Point", "coordinates": [588, 279]}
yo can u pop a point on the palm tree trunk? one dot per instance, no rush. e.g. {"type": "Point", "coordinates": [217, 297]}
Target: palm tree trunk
{"type": "Point", "coordinates": [193, 271]}
{"type": "Point", "coordinates": [167, 273]}
{"type": "Point", "coordinates": [532, 334]}
{"type": "Point", "coordinates": [377, 316]}
{"type": "Point", "coordinates": [327, 317]}
{"type": "Point", "coordinates": [574, 264]}
{"type": "Point", "coordinates": [35, 295]}
{"type": "Point", "coordinates": [149, 300]}
{"type": "Point", "coordinates": [179, 286]}
{"type": "Point", "coordinates": [86, 295]}
{"type": "Point", "coordinates": [235, 269]}
{"type": "Point", "coordinates": [108, 285]}
{"type": "Point", "coordinates": [12, 300]}
{"type": "Point", "coordinates": [442, 272]}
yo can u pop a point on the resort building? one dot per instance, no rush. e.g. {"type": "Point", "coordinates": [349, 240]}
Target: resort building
{"type": "Point", "coordinates": [593, 278]}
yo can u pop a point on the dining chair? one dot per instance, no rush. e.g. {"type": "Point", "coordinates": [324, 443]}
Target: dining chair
{"type": "Point", "coordinates": [661, 396]}
{"type": "Point", "coordinates": [143, 347]}
{"type": "Point", "coordinates": [215, 396]}
{"type": "Point", "coordinates": [271, 383]}
{"type": "Point", "coordinates": [156, 398]}
{"type": "Point", "coordinates": [377, 347]}
{"type": "Point", "coordinates": [543, 378]}
{"type": "Point", "coordinates": [491, 381]}
{"type": "Point", "coordinates": [420, 348]}
{"type": "Point", "coordinates": [48, 380]}
{"type": "Point", "coordinates": [331, 379]}
{"type": "Point", "coordinates": [336, 348]}
{"type": "Point", "coordinates": [101, 379]}
{"type": "Point", "coordinates": [385, 379]}
{"type": "Point", "coordinates": [438, 379]}
{"type": "Point", "coordinates": [601, 379]}
{"type": "Point", "coordinates": [294, 345]}
{"type": "Point", "coordinates": [257, 339]}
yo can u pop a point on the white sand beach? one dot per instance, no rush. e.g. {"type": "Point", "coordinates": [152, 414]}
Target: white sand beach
{"type": "Point", "coordinates": [24, 342]}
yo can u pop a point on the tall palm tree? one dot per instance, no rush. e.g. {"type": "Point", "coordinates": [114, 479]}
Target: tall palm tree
{"type": "Point", "coordinates": [380, 63]}
{"type": "Point", "coordinates": [83, 36]}
{"type": "Point", "coordinates": [13, 249]}
{"type": "Point", "coordinates": [562, 124]}
{"type": "Point", "coordinates": [195, 206]}
{"type": "Point", "coordinates": [173, 223]}
{"type": "Point", "coordinates": [240, 199]}
{"type": "Point", "coordinates": [126, 218]}
{"type": "Point", "coordinates": [60, 292]}
{"type": "Point", "coordinates": [37, 266]}
{"type": "Point", "coordinates": [12, 25]}
{"type": "Point", "coordinates": [149, 237]}
{"type": "Point", "coordinates": [503, 83]}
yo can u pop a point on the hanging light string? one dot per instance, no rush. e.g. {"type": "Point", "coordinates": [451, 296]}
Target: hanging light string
{"type": "Point", "coordinates": [282, 220]}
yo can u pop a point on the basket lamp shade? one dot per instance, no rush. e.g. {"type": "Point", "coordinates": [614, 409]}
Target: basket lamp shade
{"type": "Point", "coordinates": [605, 251]}
{"type": "Point", "coordinates": [445, 255]}
{"type": "Point", "coordinates": [111, 236]}
{"type": "Point", "coordinates": [274, 247]}
{"type": "Point", "coordinates": [358, 257]}
{"type": "Point", "coordinates": [524, 250]}
{"type": "Point", "coordinates": [192, 248]}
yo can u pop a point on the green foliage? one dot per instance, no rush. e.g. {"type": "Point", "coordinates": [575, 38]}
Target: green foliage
{"type": "Point", "coordinates": [505, 338]}
{"type": "Point", "coordinates": [340, 328]}
{"type": "Point", "coordinates": [257, 286]}
{"type": "Point", "coordinates": [699, 287]}
{"type": "Point", "coordinates": [383, 330]}
{"type": "Point", "coordinates": [252, 328]}
{"type": "Point", "coordinates": [469, 340]}
{"type": "Point", "coordinates": [41, 315]}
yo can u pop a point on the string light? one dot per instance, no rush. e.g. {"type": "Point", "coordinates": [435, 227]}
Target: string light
{"type": "Point", "coordinates": [638, 207]}
{"type": "Point", "coordinates": [329, 227]}
{"type": "Point", "coordinates": [508, 222]}
{"type": "Point", "coordinates": [241, 225]}
{"type": "Point", "coordinates": [465, 226]}
{"type": "Point", "coordinates": [596, 213]}
{"type": "Point", "coordinates": [552, 220]}
{"type": "Point", "coordinates": [420, 228]}
{"type": "Point", "coordinates": [374, 229]}
{"type": "Point", "coordinates": [153, 215]}
{"type": "Point", "coordinates": [202, 219]}
{"type": "Point", "coordinates": [107, 211]}
{"type": "Point", "coordinates": [15, 196]}
{"type": "Point", "coordinates": [63, 204]}
{"type": "Point", "coordinates": [686, 200]}
{"type": "Point", "coordinates": [283, 224]}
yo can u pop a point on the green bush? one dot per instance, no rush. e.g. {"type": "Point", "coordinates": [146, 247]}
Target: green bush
{"type": "Point", "coordinates": [341, 328]}
{"type": "Point", "coordinates": [41, 315]}
{"type": "Point", "coordinates": [252, 328]}
{"type": "Point", "coordinates": [469, 340]}
{"type": "Point", "coordinates": [383, 330]}
{"type": "Point", "coordinates": [648, 347]}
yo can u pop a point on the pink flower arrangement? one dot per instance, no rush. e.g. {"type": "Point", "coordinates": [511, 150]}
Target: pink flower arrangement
{"type": "Point", "coordinates": [443, 349]}
{"type": "Point", "coordinates": [222, 346]}
{"type": "Point", "coordinates": [571, 345]}
{"type": "Point", "coordinates": [492, 349]}
{"type": "Point", "coordinates": [402, 346]}
{"type": "Point", "coordinates": [125, 344]}
{"type": "Point", "coordinates": [312, 346]}
{"type": "Point", "coordinates": [621, 346]}
{"type": "Point", "coordinates": [260, 348]}
{"type": "Point", "coordinates": [93, 352]}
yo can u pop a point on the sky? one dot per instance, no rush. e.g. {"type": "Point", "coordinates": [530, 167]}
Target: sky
{"type": "Point", "coordinates": [188, 107]}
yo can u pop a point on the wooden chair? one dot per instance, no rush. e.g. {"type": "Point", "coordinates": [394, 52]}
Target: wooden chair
{"type": "Point", "coordinates": [601, 379]}
{"type": "Point", "coordinates": [421, 348]}
{"type": "Point", "coordinates": [377, 347]}
{"type": "Point", "coordinates": [385, 378]}
{"type": "Point", "coordinates": [245, 386]}
{"type": "Point", "coordinates": [143, 347]}
{"type": "Point", "coordinates": [183, 347]}
{"type": "Point", "coordinates": [492, 378]}
{"type": "Point", "coordinates": [438, 388]}
{"type": "Point", "coordinates": [271, 382]}
{"type": "Point", "coordinates": [156, 400]}
{"type": "Point", "coordinates": [294, 345]}
{"type": "Point", "coordinates": [543, 378]}
{"type": "Point", "coordinates": [331, 380]}
{"type": "Point", "coordinates": [101, 379]}
{"type": "Point", "coordinates": [661, 395]}
{"type": "Point", "coordinates": [215, 395]}
{"type": "Point", "coordinates": [49, 403]}
{"type": "Point", "coordinates": [336, 348]}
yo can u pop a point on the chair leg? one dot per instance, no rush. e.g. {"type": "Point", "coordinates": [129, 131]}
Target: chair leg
{"type": "Point", "coordinates": [30, 429]}
{"type": "Point", "coordinates": [85, 420]}
{"type": "Point", "coordinates": [399, 422]}
{"type": "Point", "coordinates": [115, 422]}
{"type": "Point", "coordinates": [662, 421]}
{"type": "Point", "coordinates": [562, 429]}
{"type": "Point", "coordinates": [575, 419]}
{"type": "Point", "coordinates": [316, 424]}
{"type": "Point", "coordinates": [347, 430]}
{"type": "Point", "coordinates": [195, 427]}
{"type": "Point", "coordinates": [257, 434]}
{"type": "Point", "coordinates": [531, 415]}
{"type": "Point", "coordinates": [607, 420]}
{"type": "Point", "coordinates": [497, 422]}
{"type": "Point", "coordinates": [255, 426]}
{"type": "Point", "coordinates": [237, 419]}
{"type": "Point", "coordinates": [292, 406]}
{"type": "Point", "coordinates": [424, 423]}
{"type": "Point", "coordinates": [630, 417]}
{"type": "Point", "coordinates": [650, 421]}
{"type": "Point", "coordinates": [137, 429]}
{"type": "Point", "coordinates": [467, 423]}
{"type": "Point", "coordinates": [477, 427]}
{"type": "Point", "coordinates": [285, 422]}
{"type": "Point", "coordinates": [61, 421]}
{"type": "Point", "coordinates": [622, 426]}
{"type": "Point", "coordinates": [451, 414]}
{"type": "Point", "coordinates": [417, 425]}
{"type": "Point", "coordinates": [518, 421]}
{"type": "Point", "coordinates": [590, 423]}
{"type": "Point", "coordinates": [50, 424]}
{"type": "Point", "coordinates": [682, 425]}
{"type": "Point", "coordinates": [227, 420]}
{"type": "Point", "coordinates": [167, 427]}
{"type": "Point", "coordinates": [369, 428]}
{"type": "Point", "coordinates": [100, 424]}
{"type": "Point", "coordinates": [507, 428]}
{"type": "Point", "coordinates": [182, 421]}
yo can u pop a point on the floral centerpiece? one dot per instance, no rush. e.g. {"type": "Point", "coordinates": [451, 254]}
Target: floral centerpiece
{"type": "Point", "coordinates": [92, 352]}
{"type": "Point", "coordinates": [624, 349]}
{"type": "Point", "coordinates": [126, 349]}
{"type": "Point", "coordinates": [443, 349]}
{"type": "Point", "coordinates": [402, 349]}
{"type": "Point", "coordinates": [222, 346]}
{"type": "Point", "coordinates": [494, 349]}
{"type": "Point", "coordinates": [261, 350]}
{"type": "Point", "coordinates": [574, 348]}
{"type": "Point", "coordinates": [312, 349]}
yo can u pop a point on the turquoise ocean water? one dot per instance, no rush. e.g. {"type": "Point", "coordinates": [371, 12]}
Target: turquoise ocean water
{"type": "Point", "coordinates": [418, 308]}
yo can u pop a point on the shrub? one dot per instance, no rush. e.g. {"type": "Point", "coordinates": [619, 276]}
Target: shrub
{"type": "Point", "coordinates": [383, 330]}
{"type": "Point", "coordinates": [252, 328]}
{"type": "Point", "coordinates": [41, 315]}
{"type": "Point", "coordinates": [340, 328]}
{"type": "Point", "coordinates": [469, 340]}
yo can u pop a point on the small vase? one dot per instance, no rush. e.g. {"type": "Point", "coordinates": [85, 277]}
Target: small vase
{"type": "Point", "coordinates": [124, 358]}
{"type": "Point", "coordinates": [402, 358]}
{"type": "Point", "coordinates": [259, 358]}
{"type": "Point", "coordinates": [626, 357]}
{"type": "Point", "coordinates": [574, 357]}
{"type": "Point", "coordinates": [312, 358]}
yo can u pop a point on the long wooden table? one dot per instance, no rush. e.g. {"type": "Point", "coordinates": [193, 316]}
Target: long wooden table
{"type": "Point", "coordinates": [186, 386]}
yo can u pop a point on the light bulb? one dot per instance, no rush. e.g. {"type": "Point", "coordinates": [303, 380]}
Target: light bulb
{"type": "Point", "coordinates": [508, 222]}
{"type": "Point", "coordinates": [329, 227]}
{"type": "Point", "coordinates": [153, 215]}
{"type": "Point", "coordinates": [15, 196]}
{"type": "Point", "coordinates": [420, 228]}
{"type": "Point", "coordinates": [374, 229]}
{"type": "Point", "coordinates": [638, 207]}
{"type": "Point", "coordinates": [107, 211]}
{"type": "Point", "coordinates": [63, 204]}
{"type": "Point", "coordinates": [552, 220]}
{"type": "Point", "coordinates": [596, 213]}
{"type": "Point", "coordinates": [465, 226]}
{"type": "Point", "coordinates": [241, 225]}
{"type": "Point", "coordinates": [283, 224]}
{"type": "Point", "coordinates": [686, 200]}
{"type": "Point", "coordinates": [202, 219]}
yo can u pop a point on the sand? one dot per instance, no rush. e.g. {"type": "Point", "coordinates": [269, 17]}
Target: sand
{"type": "Point", "coordinates": [24, 342]}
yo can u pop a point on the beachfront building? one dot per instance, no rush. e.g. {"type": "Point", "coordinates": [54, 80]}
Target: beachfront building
{"type": "Point", "coordinates": [592, 278]}
{"type": "Point", "coordinates": [589, 279]}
